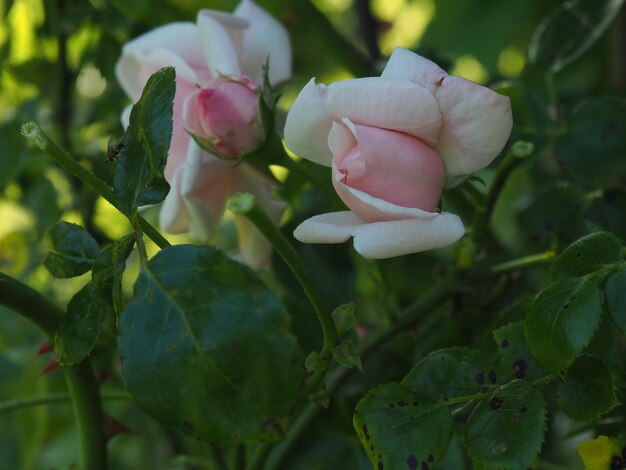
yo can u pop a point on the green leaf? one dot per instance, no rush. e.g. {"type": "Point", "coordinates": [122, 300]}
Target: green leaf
{"type": "Point", "coordinates": [516, 358]}
{"type": "Point", "coordinates": [571, 30]}
{"type": "Point", "coordinates": [506, 430]}
{"type": "Point", "coordinates": [589, 391]}
{"type": "Point", "coordinates": [588, 254]}
{"type": "Point", "coordinates": [344, 318]}
{"type": "Point", "coordinates": [315, 362]}
{"type": "Point", "coordinates": [399, 430]}
{"type": "Point", "coordinates": [81, 326]}
{"type": "Point", "coordinates": [561, 321]}
{"type": "Point", "coordinates": [72, 250]}
{"type": "Point", "coordinates": [593, 147]}
{"type": "Point", "coordinates": [601, 452]}
{"type": "Point", "coordinates": [450, 373]}
{"type": "Point", "coordinates": [108, 270]}
{"type": "Point", "coordinates": [346, 354]}
{"type": "Point", "coordinates": [139, 179]}
{"type": "Point", "coordinates": [615, 295]}
{"type": "Point", "coordinates": [607, 211]}
{"type": "Point", "coordinates": [206, 348]}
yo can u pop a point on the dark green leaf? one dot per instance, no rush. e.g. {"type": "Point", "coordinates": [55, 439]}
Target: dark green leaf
{"type": "Point", "coordinates": [206, 348]}
{"type": "Point", "coordinates": [450, 373]}
{"type": "Point", "coordinates": [346, 354]}
{"type": "Point", "coordinates": [615, 295]}
{"type": "Point", "coordinates": [588, 254]}
{"type": "Point", "coordinates": [81, 325]}
{"type": "Point", "coordinates": [561, 321]}
{"type": "Point", "coordinates": [589, 391]}
{"type": "Point", "coordinates": [516, 358]}
{"type": "Point", "coordinates": [72, 250]}
{"type": "Point", "coordinates": [506, 430]}
{"type": "Point", "coordinates": [570, 30]}
{"type": "Point", "coordinates": [139, 178]}
{"type": "Point", "coordinates": [607, 212]}
{"type": "Point", "coordinates": [315, 362]}
{"type": "Point", "coordinates": [344, 318]}
{"type": "Point", "coordinates": [400, 430]}
{"type": "Point", "coordinates": [593, 147]}
{"type": "Point", "coordinates": [108, 270]}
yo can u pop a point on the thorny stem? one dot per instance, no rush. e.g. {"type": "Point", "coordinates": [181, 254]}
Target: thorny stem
{"type": "Point", "coordinates": [34, 132]}
{"type": "Point", "coordinates": [80, 378]}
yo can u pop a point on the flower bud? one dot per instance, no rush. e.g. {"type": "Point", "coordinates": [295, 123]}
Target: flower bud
{"type": "Point", "coordinates": [224, 115]}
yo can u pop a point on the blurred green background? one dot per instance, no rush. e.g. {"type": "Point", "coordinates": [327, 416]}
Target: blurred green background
{"type": "Point", "coordinates": [57, 67]}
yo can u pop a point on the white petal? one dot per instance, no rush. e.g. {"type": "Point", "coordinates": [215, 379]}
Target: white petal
{"type": "Point", "coordinates": [342, 137]}
{"type": "Point", "coordinates": [380, 240]}
{"type": "Point", "coordinates": [255, 250]}
{"type": "Point", "coordinates": [393, 104]}
{"type": "Point", "coordinates": [476, 125]}
{"type": "Point", "coordinates": [334, 227]}
{"type": "Point", "coordinates": [173, 217]}
{"type": "Point", "coordinates": [252, 181]}
{"type": "Point", "coordinates": [264, 37]}
{"type": "Point", "coordinates": [221, 35]}
{"type": "Point", "coordinates": [407, 65]}
{"type": "Point", "coordinates": [156, 49]}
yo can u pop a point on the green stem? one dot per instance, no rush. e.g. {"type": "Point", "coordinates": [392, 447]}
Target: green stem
{"type": "Point", "coordinates": [259, 457]}
{"type": "Point", "coordinates": [483, 214]}
{"type": "Point", "coordinates": [245, 204]}
{"type": "Point", "coordinates": [34, 132]}
{"type": "Point", "coordinates": [239, 457]}
{"type": "Point", "coordinates": [539, 259]}
{"type": "Point", "coordinates": [80, 379]}
{"type": "Point", "coordinates": [24, 403]}
{"type": "Point", "coordinates": [141, 246]}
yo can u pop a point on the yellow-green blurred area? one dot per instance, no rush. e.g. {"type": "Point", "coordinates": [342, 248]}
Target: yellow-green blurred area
{"type": "Point", "coordinates": [57, 67]}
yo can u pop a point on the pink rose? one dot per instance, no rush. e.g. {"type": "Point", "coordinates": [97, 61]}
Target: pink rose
{"type": "Point", "coordinates": [391, 142]}
{"type": "Point", "coordinates": [225, 115]}
{"type": "Point", "coordinates": [218, 48]}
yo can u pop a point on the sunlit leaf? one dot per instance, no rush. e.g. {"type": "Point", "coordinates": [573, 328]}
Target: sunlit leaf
{"type": "Point", "coordinates": [561, 321]}
{"type": "Point", "coordinates": [400, 430]}
{"type": "Point", "coordinates": [602, 453]}
{"type": "Point", "coordinates": [206, 348]}
{"type": "Point", "coordinates": [72, 250]}
{"type": "Point", "coordinates": [506, 430]}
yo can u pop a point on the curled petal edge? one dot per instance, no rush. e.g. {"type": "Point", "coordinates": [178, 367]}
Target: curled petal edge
{"type": "Point", "coordinates": [379, 240]}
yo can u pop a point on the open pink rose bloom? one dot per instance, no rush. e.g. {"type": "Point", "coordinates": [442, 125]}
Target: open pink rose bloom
{"type": "Point", "coordinates": [392, 141]}
{"type": "Point", "coordinates": [218, 62]}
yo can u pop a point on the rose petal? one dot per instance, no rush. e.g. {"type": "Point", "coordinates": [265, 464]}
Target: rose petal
{"type": "Point", "coordinates": [389, 165]}
{"type": "Point", "coordinates": [156, 49]}
{"type": "Point", "coordinates": [265, 38]}
{"type": "Point", "coordinates": [373, 209]}
{"type": "Point", "coordinates": [380, 240]}
{"type": "Point", "coordinates": [254, 248]}
{"type": "Point", "coordinates": [387, 103]}
{"type": "Point", "coordinates": [252, 181]}
{"type": "Point", "coordinates": [476, 125]}
{"type": "Point", "coordinates": [221, 35]}
{"type": "Point", "coordinates": [173, 217]}
{"type": "Point", "coordinates": [334, 227]}
{"type": "Point", "coordinates": [407, 65]}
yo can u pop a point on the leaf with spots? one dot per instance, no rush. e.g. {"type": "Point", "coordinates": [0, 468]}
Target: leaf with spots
{"type": "Point", "coordinates": [591, 253]}
{"type": "Point", "coordinates": [516, 360]}
{"type": "Point", "coordinates": [570, 30]}
{"type": "Point", "coordinates": [561, 321]}
{"type": "Point", "coordinates": [603, 453]}
{"type": "Point", "coordinates": [206, 348]}
{"type": "Point", "coordinates": [81, 325]}
{"type": "Point", "coordinates": [615, 295]}
{"type": "Point", "coordinates": [506, 430]}
{"type": "Point", "coordinates": [72, 250]}
{"type": "Point", "coordinates": [589, 391]}
{"type": "Point", "coordinates": [139, 172]}
{"type": "Point", "coordinates": [451, 373]}
{"type": "Point", "coordinates": [400, 430]}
